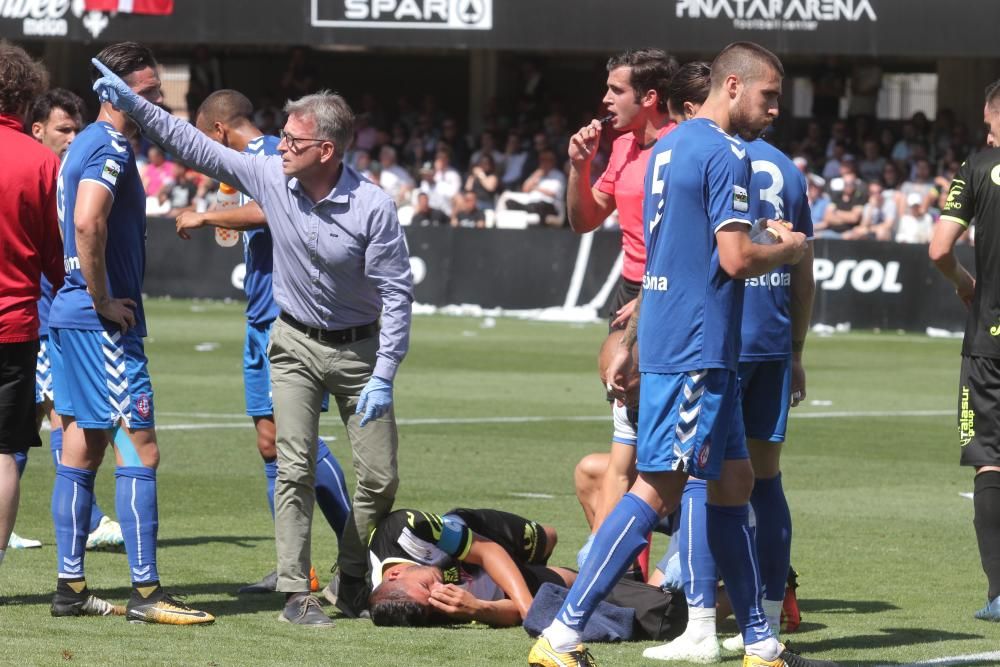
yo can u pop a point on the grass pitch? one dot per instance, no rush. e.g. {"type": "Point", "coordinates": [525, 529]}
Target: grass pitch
{"type": "Point", "coordinates": [884, 544]}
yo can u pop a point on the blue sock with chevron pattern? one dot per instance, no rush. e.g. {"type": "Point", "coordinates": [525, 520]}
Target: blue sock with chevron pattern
{"type": "Point", "coordinates": [270, 475]}
{"type": "Point", "coordinates": [698, 572]}
{"type": "Point", "coordinates": [734, 546]}
{"type": "Point", "coordinates": [331, 489]}
{"type": "Point", "coordinates": [72, 495]}
{"type": "Point", "coordinates": [618, 541]}
{"type": "Point", "coordinates": [135, 504]}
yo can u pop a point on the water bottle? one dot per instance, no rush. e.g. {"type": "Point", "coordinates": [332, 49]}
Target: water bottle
{"type": "Point", "coordinates": [227, 197]}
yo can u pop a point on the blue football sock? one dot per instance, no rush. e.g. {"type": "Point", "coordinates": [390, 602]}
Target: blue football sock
{"type": "Point", "coordinates": [618, 541]}
{"type": "Point", "coordinates": [20, 460]}
{"type": "Point", "coordinates": [698, 572]}
{"type": "Point", "coordinates": [135, 504]}
{"type": "Point", "coordinates": [72, 496]}
{"type": "Point", "coordinates": [55, 445]}
{"type": "Point", "coordinates": [96, 514]}
{"type": "Point", "coordinates": [270, 475]}
{"type": "Point", "coordinates": [774, 535]}
{"type": "Point", "coordinates": [733, 545]}
{"type": "Point", "coordinates": [331, 489]}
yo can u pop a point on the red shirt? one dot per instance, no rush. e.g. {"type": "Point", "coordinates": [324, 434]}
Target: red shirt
{"type": "Point", "coordinates": [29, 229]}
{"type": "Point", "coordinates": [623, 180]}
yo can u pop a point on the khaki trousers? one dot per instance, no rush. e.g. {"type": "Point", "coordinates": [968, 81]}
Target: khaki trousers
{"type": "Point", "coordinates": [301, 370]}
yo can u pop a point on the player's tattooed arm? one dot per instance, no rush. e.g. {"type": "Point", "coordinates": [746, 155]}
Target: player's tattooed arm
{"type": "Point", "coordinates": [90, 219]}
{"type": "Point", "coordinates": [632, 330]}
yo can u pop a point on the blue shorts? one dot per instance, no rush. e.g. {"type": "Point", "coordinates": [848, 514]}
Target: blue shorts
{"type": "Point", "coordinates": [101, 379]}
{"type": "Point", "coordinates": [43, 371]}
{"type": "Point", "coordinates": [690, 422]}
{"type": "Point", "coordinates": [767, 394]}
{"type": "Point", "coordinates": [257, 372]}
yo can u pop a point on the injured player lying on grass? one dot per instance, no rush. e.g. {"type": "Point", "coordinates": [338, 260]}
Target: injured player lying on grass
{"type": "Point", "coordinates": [465, 565]}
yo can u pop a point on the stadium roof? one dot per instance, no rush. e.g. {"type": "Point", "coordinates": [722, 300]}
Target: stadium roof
{"type": "Point", "coordinates": [791, 27]}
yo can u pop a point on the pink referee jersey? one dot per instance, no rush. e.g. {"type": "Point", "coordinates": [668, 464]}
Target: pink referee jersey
{"type": "Point", "coordinates": [623, 180]}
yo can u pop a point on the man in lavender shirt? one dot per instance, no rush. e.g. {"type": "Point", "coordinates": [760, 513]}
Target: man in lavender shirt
{"type": "Point", "coordinates": [340, 262]}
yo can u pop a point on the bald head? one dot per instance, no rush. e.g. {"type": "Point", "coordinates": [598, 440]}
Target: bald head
{"type": "Point", "coordinates": [747, 61]}
{"type": "Point", "coordinates": [229, 107]}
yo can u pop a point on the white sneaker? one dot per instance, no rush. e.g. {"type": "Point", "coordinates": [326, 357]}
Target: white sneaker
{"type": "Point", "coordinates": [704, 652]}
{"type": "Point", "coordinates": [107, 534]}
{"type": "Point", "coordinates": [733, 644]}
{"type": "Point", "coordinates": [18, 542]}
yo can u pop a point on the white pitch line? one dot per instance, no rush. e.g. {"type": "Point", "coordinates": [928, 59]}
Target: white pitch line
{"type": "Point", "coordinates": [544, 496]}
{"type": "Point", "coordinates": [447, 421]}
{"type": "Point", "coordinates": [952, 660]}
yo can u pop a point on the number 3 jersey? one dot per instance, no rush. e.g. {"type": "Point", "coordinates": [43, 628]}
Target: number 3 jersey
{"type": "Point", "coordinates": [102, 156]}
{"type": "Point", "coordinates": [697, 183]}
{"type": "Point", "coordinates": [778, 192]}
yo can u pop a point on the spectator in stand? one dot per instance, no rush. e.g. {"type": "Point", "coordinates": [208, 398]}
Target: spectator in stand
{"type": "Point", "coordinates": [916, 223]}
{"type": "Point", "coordinates": [922, 184]}
{"type": "Point", "coordinates": [487, 146]}
{"type": "Point", "coordinates": [831, 169]}
{"type": "Point", "coordinates": [364, 134]}
{"type": "Point", "coordinates": [892, 179]}
{"type": "Point", "coordinates": [157, 173]}
{"type": "Point", "coordinates": [181, 193]}
{"type": "Point", "coordinates": [484, 183]}
{"type": "Point", "coordinates": [514, 159]}
{"type": "Point", "coordinates": [456, 141]}
{"type": "Point", "coordinates": [363, 164]}
{"type": "Point", "coordinates": [395, 180]}
{"type": "Point", "coordinates": [902, 149]}
{"type": "Point", "coordinates": [440, 181]}
{"type": "Point", "coordinates": [300, 76]}
{"type": "Point", "coordinates": [838, 135]}
{"type": "Point", "coordinates": [424, 215]}
{"type": "Point", "coordinates": [812, 145]}
{"type": "Point", "coordinates": [466, 213]}
{"type": "Point", "coordinates": [543, 191]}
{"type": "Point", "coordinates": [872, 162]}
{"type": "Point", "coordinates": [818, 198]}
{"type": "Point", "coordinates": [204, 77]}
{"type": "Point", "coordinates": [843, 213]}
{"type": "Point", "coordinates": [878, 218]}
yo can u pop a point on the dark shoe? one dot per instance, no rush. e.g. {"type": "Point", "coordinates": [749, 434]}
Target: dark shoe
{"type": "Point", "coordinates": [69, 602]}
{"type": "Point", "coordinates": [269, 584]}
{"type": "Point", "coordinates": [349, 594]}
{"type": "Point", "coordinates": [304, 609]}
{"type": "Point", "coordinates": [161, 607]}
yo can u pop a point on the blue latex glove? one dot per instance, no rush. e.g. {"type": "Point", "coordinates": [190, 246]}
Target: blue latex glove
{"type": "Point", "coordinates": [581, 555]}
{"type": "Point", "coordinates": [375, 400]}
{"type": "Point", "coordinates": [111, 88]}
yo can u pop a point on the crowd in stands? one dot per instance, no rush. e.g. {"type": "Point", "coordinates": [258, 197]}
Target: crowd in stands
{"type": "Point", "coordinates": [868, 179]}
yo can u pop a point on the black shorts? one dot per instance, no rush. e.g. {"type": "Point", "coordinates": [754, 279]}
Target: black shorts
{"type": "Point", "coordinates": [523, 539]}
{"type": "Point", "coordinates": [17, 397]}
{"type": "Point", "coordinates": [979, 411]}
{"type": "Point", "coordinates": [627, 290]}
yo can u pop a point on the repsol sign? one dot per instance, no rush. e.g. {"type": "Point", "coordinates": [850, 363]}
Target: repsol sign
{"type": "Point", "coordinates": [403, 14]}
{"type": "Point", "coordinates": [866, 275]}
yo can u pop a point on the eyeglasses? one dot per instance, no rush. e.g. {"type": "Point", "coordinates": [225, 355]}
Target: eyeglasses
{"type": "Point", "coordinates": [293, 142]}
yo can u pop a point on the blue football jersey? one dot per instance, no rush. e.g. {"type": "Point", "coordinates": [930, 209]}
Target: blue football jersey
{"type": "Point", "coordinates": [696, 183]}
{"type": "Point", "coordinates": [257, 257]}
{"type": "Point", "coordinates": [777, 191]}
{"type": "Point", "coordinates": [44, 306]}
{"type": "Point", "coordinates": [102, 155]}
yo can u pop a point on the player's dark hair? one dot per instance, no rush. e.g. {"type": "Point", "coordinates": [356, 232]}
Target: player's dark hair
{"type": "Point", "coordinates": [690, 83]}
{"type": "Point", "coordinates": [225, 106]}
{"type": "Point", "coordinates": [747, 60]}
{"type": "Point", "coordinates": [21, 78]}
{"type": "Point", "coordinates": [57, 98]}
{"type": "Point", "coordinates": [993, 94]}
{"type": "Point", "coordinates": [650, 69]}
{"type": "Point", "coordinates": [123, 59]}
{"type": "Point", "coordinates": [390, 606]}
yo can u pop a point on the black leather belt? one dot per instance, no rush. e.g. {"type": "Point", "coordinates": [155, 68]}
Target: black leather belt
{"type": "Point", "coordinates": [332, 337]}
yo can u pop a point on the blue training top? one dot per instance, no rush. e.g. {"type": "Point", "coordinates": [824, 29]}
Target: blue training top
{"type": "Point", "coordinates": [257, 253]}
{"type": "Point", "coordinates": [696, 183]}
{"type": "Point", "coordinates": [777, 191]}
{"type": "Point", "coordinates": [102, 155]}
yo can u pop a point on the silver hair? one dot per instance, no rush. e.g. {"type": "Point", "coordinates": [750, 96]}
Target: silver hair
{"type": "Point", "coordinates": [333, 116]}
